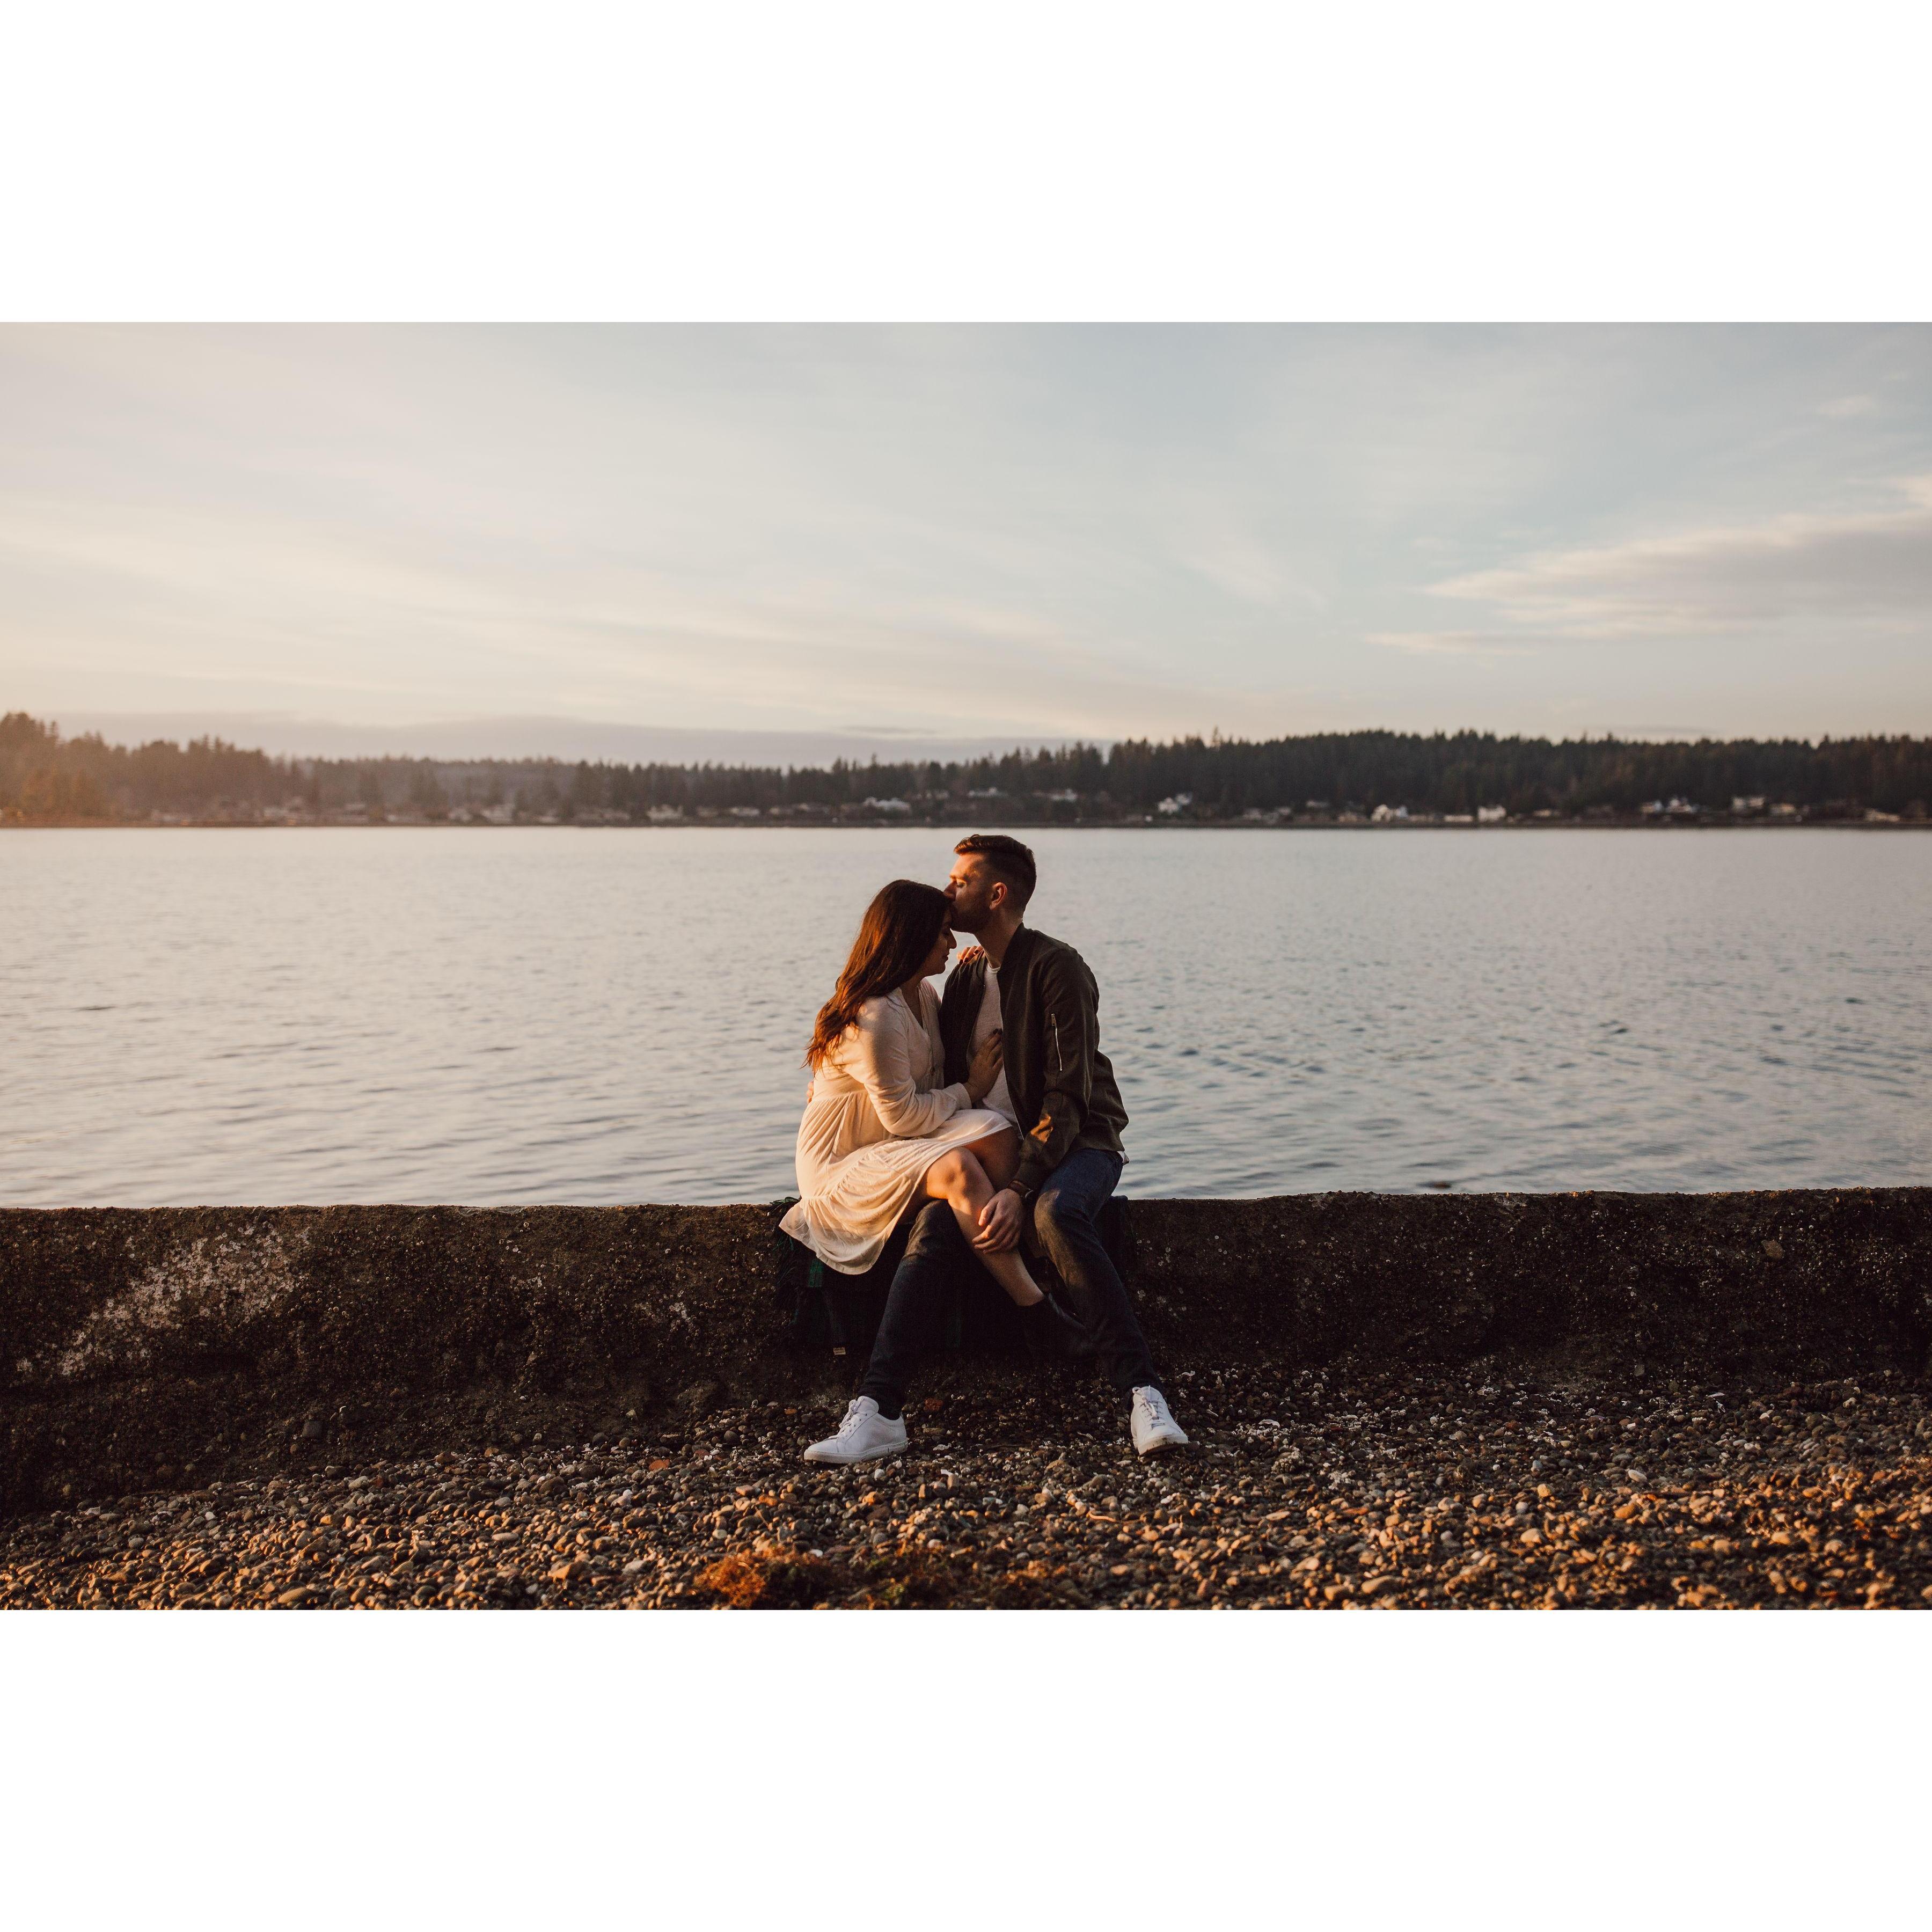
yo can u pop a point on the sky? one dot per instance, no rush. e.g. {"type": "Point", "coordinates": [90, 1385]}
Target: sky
{"type": "Point", "coordinates": [557, 539]}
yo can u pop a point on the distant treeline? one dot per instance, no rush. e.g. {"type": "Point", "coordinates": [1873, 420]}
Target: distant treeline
{"type": "Point", "coordinates": [45, 778]}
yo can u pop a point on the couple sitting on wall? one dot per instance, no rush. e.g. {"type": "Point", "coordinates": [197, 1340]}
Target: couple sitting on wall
{"type": "Point", "coordinates": [915, 1114]}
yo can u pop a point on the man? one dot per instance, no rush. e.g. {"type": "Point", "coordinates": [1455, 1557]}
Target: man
{"type": "Point", "coordinates": [1042, 995]}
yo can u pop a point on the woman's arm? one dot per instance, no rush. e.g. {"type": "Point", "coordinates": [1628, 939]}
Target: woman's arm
{"type": "Point", "coordinates": [881, 1062]}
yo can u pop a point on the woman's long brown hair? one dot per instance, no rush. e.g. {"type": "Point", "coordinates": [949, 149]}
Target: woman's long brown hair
{"type": "Point", "coordinates": [898, 931]}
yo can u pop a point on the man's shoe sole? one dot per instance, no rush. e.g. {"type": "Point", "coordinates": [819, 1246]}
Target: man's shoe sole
{"type": "Point", "coordinates": [1160, 1442]}
{"type": "Point", "coordinates": [852, 1462]}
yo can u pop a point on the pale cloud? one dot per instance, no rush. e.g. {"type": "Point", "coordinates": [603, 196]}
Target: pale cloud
{"type": "Point", "coordinates": [1454, 644]}
{"type": "Point", "coordinates": [1043, 532]}
{"type": "Point", "coordinates": [1874, 567]}
{"type": "Point", "coordinates": [1245, 568]}
{"type": "Point", "coordinates": [207, 591]}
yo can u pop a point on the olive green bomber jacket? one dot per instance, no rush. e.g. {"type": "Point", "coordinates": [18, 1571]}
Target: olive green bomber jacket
{"type": "Point", "coordinates": [1059, 1079]}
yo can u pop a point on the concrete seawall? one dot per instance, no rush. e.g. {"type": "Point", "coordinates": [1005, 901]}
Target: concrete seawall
{"type": "Point", "coordinates": [138, 1346]}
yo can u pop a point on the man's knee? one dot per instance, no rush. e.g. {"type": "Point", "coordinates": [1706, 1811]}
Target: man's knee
{"type": "Point", "coordinates": [1058, 1215]}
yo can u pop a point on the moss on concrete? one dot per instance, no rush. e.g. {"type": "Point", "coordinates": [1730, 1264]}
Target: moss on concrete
{"type": "Point", "coordinates": [133, 1342]}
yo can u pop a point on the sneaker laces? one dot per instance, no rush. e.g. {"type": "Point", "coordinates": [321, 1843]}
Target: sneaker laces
{"type": "Point", "coordinates": [854, 1415]}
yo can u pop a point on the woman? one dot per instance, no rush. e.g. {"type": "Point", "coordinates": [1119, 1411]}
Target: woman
{"type": "Point", "coordinates": [879, 1131]}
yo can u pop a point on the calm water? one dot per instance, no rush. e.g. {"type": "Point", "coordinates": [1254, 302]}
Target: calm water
{"type": "Point", "coordinates": [241, 1017]}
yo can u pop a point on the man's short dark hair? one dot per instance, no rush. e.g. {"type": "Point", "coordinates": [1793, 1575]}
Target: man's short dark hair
{"type": "Point", "coordinates": [1008, 860]}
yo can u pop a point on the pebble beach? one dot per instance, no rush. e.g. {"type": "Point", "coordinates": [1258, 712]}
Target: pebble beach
{"type": "Point", "coordinates": [1478, 1486]}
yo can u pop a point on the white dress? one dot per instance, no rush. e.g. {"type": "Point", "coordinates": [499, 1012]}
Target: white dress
{"type": "Point", "coordinates": [875, 1121]}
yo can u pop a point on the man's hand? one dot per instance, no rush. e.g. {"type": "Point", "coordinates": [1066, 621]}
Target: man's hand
{"type": "Point", "coordinates": [1000, 1221]}
{"type": "Point", "coordinates": [985, 1069]}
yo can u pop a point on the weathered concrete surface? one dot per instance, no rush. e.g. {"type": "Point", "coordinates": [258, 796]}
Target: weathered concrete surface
{"type": "Point", "coordinates": [138, 1344]}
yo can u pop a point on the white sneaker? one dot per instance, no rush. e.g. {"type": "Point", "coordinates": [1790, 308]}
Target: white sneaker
{"type": "Point", "coordinates": [1154, 1428]}
{"type": "Point", "coordinates": [865, 1435]}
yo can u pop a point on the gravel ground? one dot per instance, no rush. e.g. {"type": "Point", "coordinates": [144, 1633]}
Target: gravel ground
{"type": "Point", "coordinates": [1478, 1486]}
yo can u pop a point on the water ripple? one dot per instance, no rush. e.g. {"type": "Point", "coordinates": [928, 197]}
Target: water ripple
{"type": "Point", "coordinates": [554, 1016]}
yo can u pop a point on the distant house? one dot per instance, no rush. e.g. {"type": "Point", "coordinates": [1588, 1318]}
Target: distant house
{"type": "Point", "coordinates": [1459, 818]}
{"type": "Point", "coordinates": [1172, 807]}
{"type": "Point", "coordinates": [498, 815]}
{"type": "Point", "coordinates": [665, 815]}
{"type": "Point", "coordinates": [1491, 815]}
{"type": "Point", "coordinates": [887, 804]}
{"type": "Point", "coordinates": [1061, 797]}
{"type": "Point", "coordinates": [1782, 811]}
{"type": "Point", "coordinates": [745, 812]}
{"type": "Point", "coordinates": [1389, 814]}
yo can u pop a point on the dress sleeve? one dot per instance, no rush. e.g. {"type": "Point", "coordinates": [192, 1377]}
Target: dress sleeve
{"type": "Point", "coordinates": [881, 1063]}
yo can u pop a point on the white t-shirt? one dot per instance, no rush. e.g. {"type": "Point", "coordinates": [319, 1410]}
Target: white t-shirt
{"type": "Point", "coordinates": [999, 1099]}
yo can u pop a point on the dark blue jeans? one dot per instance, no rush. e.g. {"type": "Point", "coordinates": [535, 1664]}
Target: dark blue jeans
{"type": "Point", "coordinates": [1066, 1217]}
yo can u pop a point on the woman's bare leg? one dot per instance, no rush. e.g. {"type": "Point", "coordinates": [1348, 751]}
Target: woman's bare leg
{"type": "Point", "coordinates": [958, 1179]}
{"type": "Point", "coordinates": [999, 1154]}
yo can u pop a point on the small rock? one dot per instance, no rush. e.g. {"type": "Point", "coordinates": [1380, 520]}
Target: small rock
{"type": "Point", "coordinates": [572, 1572]}
{"type": "Point", "coordinates": [293, 1599]}
{"type": "Point", "coordinates": [1774, 1250]}
{"type": "Point", "coordinates": [311, 1430]}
